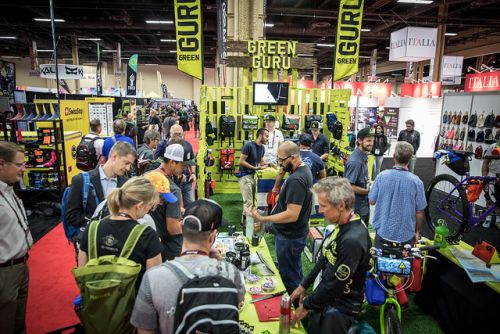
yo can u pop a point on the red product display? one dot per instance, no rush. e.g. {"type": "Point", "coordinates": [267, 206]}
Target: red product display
{"type": "Point", "coordinates": [426, 89]}
{"type": "Point", "coordinates": [481, 82]}
{"type": "Point", "coordinates": [401, 294]}
{"type": "Point", "coordinates": [416, 271]}
{"type": "Point", "coordinates": [269, 309]}
{"type": "Point", "coordinates": [484, 251]}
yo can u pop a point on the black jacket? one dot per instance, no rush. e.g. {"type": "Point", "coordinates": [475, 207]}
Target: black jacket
{"type": "Point", "coordinates": [75, 215]}
{"type": "Point", "coordinates": [412, 137]}
{"type": "Point", "coordinates": [380, 143]}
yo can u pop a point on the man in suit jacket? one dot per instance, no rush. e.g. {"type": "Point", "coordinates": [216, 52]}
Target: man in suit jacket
{"type": "Point", "coordinates": [103, 178]}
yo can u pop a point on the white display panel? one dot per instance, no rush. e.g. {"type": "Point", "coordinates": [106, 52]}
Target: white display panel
{"type": "Point", "coordinates": [104, 113]}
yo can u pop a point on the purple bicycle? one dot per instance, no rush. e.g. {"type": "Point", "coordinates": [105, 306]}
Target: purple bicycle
{"type": "Point", "coordinates": [454, 201]}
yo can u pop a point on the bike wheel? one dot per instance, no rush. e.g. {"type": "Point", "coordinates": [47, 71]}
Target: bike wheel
{"type": "Point", "coordinates": [451, 205]}
{"type": "Point", "coordinates": [392, 324]}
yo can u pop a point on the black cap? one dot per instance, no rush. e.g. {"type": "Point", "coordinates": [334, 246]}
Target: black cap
{"type": "Point", "coordinates": [204, 215]}
{"type": "Point", "coordinates": [315, 125]}
{"type": "Point", "coordinates": [269, 117]}
{"type": "Point", "coordinates": [305, 139]}
{"type": "Point", "coordinates": [366, 132]}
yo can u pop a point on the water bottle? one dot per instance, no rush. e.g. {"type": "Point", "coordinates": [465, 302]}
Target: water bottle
{"type": "Point", "coordinates": [441, 234]}
{"type": "Point", "coordinates": [284, 327]}
{"type": "Point", "coordinates": [78, 303]}
{"type": "Point", "coordinates": [249, 226]}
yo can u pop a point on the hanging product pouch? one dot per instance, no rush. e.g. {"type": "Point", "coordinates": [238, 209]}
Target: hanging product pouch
{"type": "Point", "coordinates": [400, 267]}
{"type": "Point", "coordinates": [375, 294]}
{"type": "Point", "coordinates": [416, 272]}
{"type": "Point", "coordinates": [474, 189]}
{"type": "Point", "coordinates": [331, 118]}
{"type": "Point", "coordinates": [458, 163]}
{"type": "Point", "coordinates": [250, 122]}
{"type": "Point", "coordinates": [227, 159]}
{"type": "Point", "coordinates": [291, 122]}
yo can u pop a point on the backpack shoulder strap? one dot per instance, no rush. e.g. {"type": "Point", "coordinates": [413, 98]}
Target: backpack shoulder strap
{"type": "Point", "coordinates": [92, 239]}
{"type": "Point", "coordinates": [132, 240]}
{"type": "Point", "coordinates": [179, 268]}
{"type": "Point", "coordinates": [85, 189]}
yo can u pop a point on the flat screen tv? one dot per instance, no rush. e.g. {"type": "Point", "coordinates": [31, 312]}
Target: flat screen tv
{"type": "Point", "coordinates": [270, 93]}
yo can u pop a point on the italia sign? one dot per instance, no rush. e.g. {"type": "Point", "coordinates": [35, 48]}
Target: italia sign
{"type": "Point", "coordinates": [487, 81]}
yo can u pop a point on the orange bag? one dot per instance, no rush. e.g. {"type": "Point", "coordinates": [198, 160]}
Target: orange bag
{"type": "Point", "coordinates": [474, 189]}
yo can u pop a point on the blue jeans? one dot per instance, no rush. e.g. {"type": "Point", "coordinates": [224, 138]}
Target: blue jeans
{"type": "Point", "coordinates": [288, 253]}
{"type": "Point", "coordinates": [187, 193]}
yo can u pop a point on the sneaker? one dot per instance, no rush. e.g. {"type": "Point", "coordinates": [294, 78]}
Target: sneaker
{"type": "Point", "coordinates": [487, 222]}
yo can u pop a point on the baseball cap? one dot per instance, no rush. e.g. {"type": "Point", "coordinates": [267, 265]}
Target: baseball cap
{"type": "Point", "coordinates": [305, 139]}
{"type": "Point", "coordinates": [315, 125]}
{"type": "Point", "coordinates": [180, 153]}
{"type": "Point", "coordinates": [204, 215]}
{"type": "Point", "coordinates": [162, 185]}
{"type": "Point", "coordinates": [269, 117]}
{"type": "Point", "coordinates": [366, 132]}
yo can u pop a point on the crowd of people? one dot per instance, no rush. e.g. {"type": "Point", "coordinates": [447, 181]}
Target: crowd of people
{"type": "Point", "coordinates": [182, 230]}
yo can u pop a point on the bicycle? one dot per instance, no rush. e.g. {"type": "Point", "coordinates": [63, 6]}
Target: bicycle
{"type": "Point", "coordinates": [389, 262]}
{"type": "Point", "coordinates": [447, 197]}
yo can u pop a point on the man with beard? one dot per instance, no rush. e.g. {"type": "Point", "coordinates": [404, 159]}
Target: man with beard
{"type": "Point", "coordinates": [356, 171]}
{"type": "Point", "coordinates": [290, 216]}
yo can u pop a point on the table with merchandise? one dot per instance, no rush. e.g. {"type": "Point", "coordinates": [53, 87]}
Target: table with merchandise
{"type": "Point", "coordinates": [261, 279]}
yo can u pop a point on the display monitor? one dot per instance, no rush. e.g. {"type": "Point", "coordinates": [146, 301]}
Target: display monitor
{"type": "Point", "coordinates": [20, 96]}
{"type": "Point", "coordinates": [270, 93]}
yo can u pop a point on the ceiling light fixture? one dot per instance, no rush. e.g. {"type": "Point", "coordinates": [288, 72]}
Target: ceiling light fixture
{"type": "Point", "coordinates": [10, 57]}
{"type": "Point", "coordinates": [325, 68]}
{"type": "Point", "coordinates": [366, 30]}
{"type": "Point", "coordinates": [8, 37]}
{"type": "Point", "coordinates": [44, 50]}
{"type": "Point", "coordinates": [168, 40]}
{"type": "Point", "coordinates": [450, 34]}
{"type": "Point", "coordinates": [109, 51]}
{"type": "Point", "coordinates": [48, 20]}
{"type": "Point", "coordinates": [326, 45]}
{"type": "Point", "coordinates": [159, 22]}
{"type": "Point", "coordinates": [364, 57]}
{"type": "Point", "coordinates": [173, 51]}
{"type": "Point", "coordinates": [151, 64]}
{"type": "Point", "coordinates": [419, 2]}
{"type": "Point", "coordinates": [88, 39]}
{"type": "Point", "coordinates": [269, 25]}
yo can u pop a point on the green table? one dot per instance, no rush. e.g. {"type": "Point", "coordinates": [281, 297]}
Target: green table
{"type": "Point", "coordinates": [248, 312]}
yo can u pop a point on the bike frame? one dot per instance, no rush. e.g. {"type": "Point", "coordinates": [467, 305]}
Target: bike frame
{"type": "Point", "coordinates": [472, 219]}
{"type": "Point", "coordinates": [388, 301]}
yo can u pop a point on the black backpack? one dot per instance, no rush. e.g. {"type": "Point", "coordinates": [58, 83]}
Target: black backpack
{"type": "Point", "coordinates": [86, 155]}
{"type": "Point", "coordinates": [227, 127]}
{"type": "Point", "coordinates": [489, 121]}
{"type": "Point", "coordinates": [336, 130]}
{"type": "Point", "coordinates": [480, 137]}
{"type": "Point", "coordinates": [471, 135]}
{"type": "Point", "coordinates": [488, 136]}
{"type": "Point", "coordinates": [473, 120]}
{"type": "Point", "coordinates": [206, 304]}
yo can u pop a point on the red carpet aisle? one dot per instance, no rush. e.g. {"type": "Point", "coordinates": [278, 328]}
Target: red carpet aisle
{"type": "Point", "coordinates": [189, 136]}
{"type": "Point", "coordinates": [52, 286]}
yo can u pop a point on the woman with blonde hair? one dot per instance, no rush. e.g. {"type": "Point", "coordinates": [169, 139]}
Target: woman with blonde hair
{"type": "Point", "coordinates": [127, 205]}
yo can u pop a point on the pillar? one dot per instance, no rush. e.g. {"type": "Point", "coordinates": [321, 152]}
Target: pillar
{"type": "Point", "coordinates": [74, 55]}
{"type": "Point", "coordinates": [438, 59]}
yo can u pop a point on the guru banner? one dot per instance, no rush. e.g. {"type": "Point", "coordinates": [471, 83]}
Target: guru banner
{"type": "Point", "coordinates": [132, 75]}
{"type": "Point", "coordinates": [189, 40]}
{"type": "Point", "coordinates": [348, 38]}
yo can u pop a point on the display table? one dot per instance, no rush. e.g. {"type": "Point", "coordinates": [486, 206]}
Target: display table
{"type": "Point", "coordinates": [248, 314]}
{"type": "Point", "coordinates": [459, 305]}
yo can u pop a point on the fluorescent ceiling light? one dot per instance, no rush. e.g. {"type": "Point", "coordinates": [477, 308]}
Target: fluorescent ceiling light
{"type": "Point", "coordinates": [151, 64]}
{"type": "Point", "coordinates": [88, 39]}
{"type": "Point", "coordinates": [167, 40]}
{"type": "Point", "coordinates": [325, 68]}
{"type": "Point", "coordinates": [8, 37]}
{"type": "Point", "coordinates": [396, 74]}
{"type": "Point", "coordinates": [48, 20]}
{"type": "Point", "coordinates": [173, 51]}
{"type": "Point", "coordinates": [44, 50]}
{"type": "Point", "coordinates": [450, 33]}
{"type": "Point", "coordinates": [10, 57]}
{"type": "Point", "coordinates": [269, 25]}
{"type": "Point", "coordinates": [110, 51]}
{"type": "Point", "coordinates": [305, 55]}
{"type": "Point", "coordinates": [366, 29]}
{"type": "Point", "coordinates": [159, 22]}
{"type": "Point", "coordinates": [364, 57]}
{"type": "Point", "coordinates": [326, 45]}
{"type": "Point", "coordinates": [420, 2]}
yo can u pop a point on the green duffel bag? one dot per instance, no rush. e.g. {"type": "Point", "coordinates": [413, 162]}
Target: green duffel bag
{"type": "Point", "coordinates": [107, 286]}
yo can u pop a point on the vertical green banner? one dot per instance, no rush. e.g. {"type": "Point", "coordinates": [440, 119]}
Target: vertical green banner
{"type": "Point", "coordinates": [348, 38]}
{"type": "Point", "coordinates": [98, 72]}
{"type": "Point", "coordinates": [132, 75]}
{"type": "Point", "coordinates": [189, 37]}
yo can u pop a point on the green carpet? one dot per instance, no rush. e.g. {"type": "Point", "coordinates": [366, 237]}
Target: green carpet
{"type": "Point", "coordinates": [415, 321]}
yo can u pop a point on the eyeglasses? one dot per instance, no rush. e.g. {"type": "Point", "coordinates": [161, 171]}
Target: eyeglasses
{"type": "Point", "coordinates": [283, 159]}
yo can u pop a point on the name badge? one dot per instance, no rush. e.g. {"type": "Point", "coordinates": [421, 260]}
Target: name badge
{"type": "Point", "coordinates": [377, 151]}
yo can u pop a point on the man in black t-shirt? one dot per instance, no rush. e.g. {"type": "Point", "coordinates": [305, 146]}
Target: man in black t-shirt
{"type": "Point", "coordinates": [251, 161]}
{"type": "Point", "coordinates": [290, 216]}
{"type": "Point", "coordinates": [343, 263]}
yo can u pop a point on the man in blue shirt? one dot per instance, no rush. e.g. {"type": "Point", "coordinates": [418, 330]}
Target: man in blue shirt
{"type": "Point", "coordinates": [312, 160]}
{"type": "Point", "coordinates": [400, 198]}
{"type": "Point", "coordinates": [320, 144]}
{"type": "Point", "coordinates": [356, 171]}
{"type": "Point", "coordinates": [119, 130]}
{"type": "Point", "coordinates": [251, 161]}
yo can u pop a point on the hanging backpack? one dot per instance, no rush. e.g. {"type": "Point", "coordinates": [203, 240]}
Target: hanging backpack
{"type": "Point", "coordinates": [86, 154]}
{"type": "Point", "coordinates": [290, 122]}
{"type": "Point", "coordinates": [313, 118]}
{"type": "Point", "coordinates": [489, 122]}
{"type": "Point", "coordinates": [70, 230]}
{"type": "Point", "coordinates": [330, 121]}
{"type": "Point", "coordinates": [488, 136]}
{"type": "Point", "coordinates": [107, 286]}
{"type": "Point", "coordinates": [451, 134]}
{"type": "Point", "coordinates": [337, 130]}
{"type": "Point", "coordinates": [209, 129]}
{"type": "Point", "coordinates": [462, 134]}
{"type": "Point", "coordinates": [250, 122]}
{"type": "Point", "coordinates": [497, 135]}
{"type": "Point", "coordinates": [457, 134]}
{"type": "Point", "coordinates": [227, 127]}
{"type": "Point", "coordinates": [480, 137]}
{"type": "Point", "coordinates": [206, 304]}
{"type": "Point", "coordinates": [497, 121]}
{"type": "Point", "coordinates": [465, 119]}
{"type": "Point", "coordinates": [445, 117]}
{"type": "Point", "coordinates": [478, 153]}
{"type": "Point", "coordinates": [473, 120]}
{"type": "Point", "coordinates": [480, 121]}
{"type": "Point", "coordinates": [227, 159]}
{"type": "Point", "coordinates": [470, 148]}
{"type": "Point", "coordinates": [471, 135]}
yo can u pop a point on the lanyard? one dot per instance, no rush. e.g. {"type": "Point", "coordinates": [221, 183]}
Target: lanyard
{"type": "Point", "coordinates": [400, 168]}
{"type": "Point", "coordinates": [25, 229]}
{"type": "Point", "coordinates": [194, 252]}
{"type": "Point", "coordinates": [123, 214]}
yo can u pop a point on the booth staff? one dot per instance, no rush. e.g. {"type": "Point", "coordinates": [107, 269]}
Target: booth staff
{"type": "Point", "coordinates": [15, 241]}
{"type": "Point", "coordinates": [412, 136]}
{"type": "Point", "coordinates": [275, 139]}
{"type": "Point", "coordinates": [320, 144]}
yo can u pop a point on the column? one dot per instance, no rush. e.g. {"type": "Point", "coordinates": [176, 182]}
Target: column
{"type": "Point", "coordinates": [438, 59]}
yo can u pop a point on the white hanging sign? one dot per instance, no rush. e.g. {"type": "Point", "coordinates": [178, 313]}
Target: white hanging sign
{"type": "Point", "coordinates": [413, 44]}
{"type": "Point", "coordinates": [66, 71]}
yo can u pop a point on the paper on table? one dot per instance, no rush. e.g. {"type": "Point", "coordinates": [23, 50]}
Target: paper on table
{"type": "Point", "coordinates": [476, 268]}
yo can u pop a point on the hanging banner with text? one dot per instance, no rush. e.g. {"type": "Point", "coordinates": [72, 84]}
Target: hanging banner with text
{"type": "Point", "coordinates": [132, 75]}
{"type": "Point", "coordinates": [348, 38]}
{"type": "Point", "coordinates": [189, 39]}
{"type": "Point", "coordinates": [413, 44]}
{"type": "Point", "coordinates": [371, 89]}
{"type": "Point", "coordinates": [98, 76]}
{"type": "Point", "coordinates": [66, 71]}
{"type": "Point", "coordinates": [426, 89]}
{"type": "Point", "coordinates": [480, 82]}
